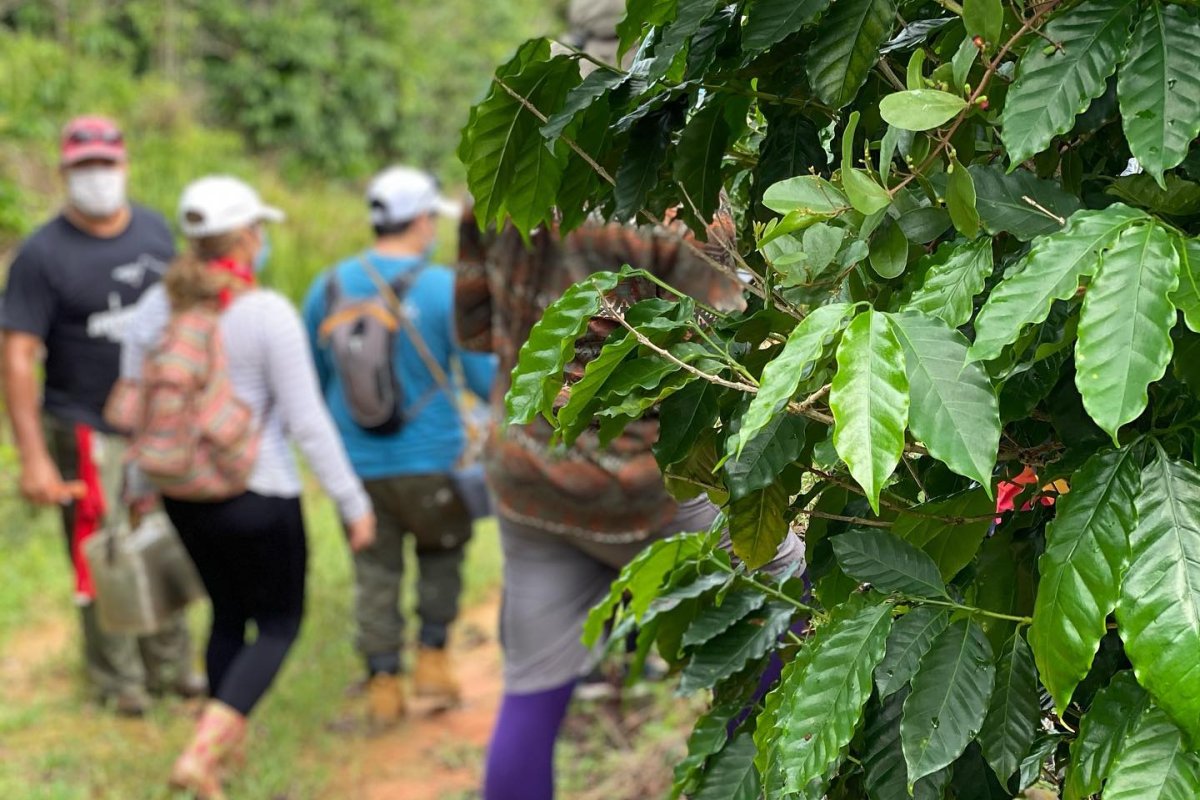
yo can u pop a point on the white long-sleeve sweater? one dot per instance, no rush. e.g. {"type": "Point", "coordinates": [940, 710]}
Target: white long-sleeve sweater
{"type": "Point", "coordinates": [271, 370]}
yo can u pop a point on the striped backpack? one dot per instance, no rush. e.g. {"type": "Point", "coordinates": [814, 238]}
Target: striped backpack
{"type": "Point", "coordinates": [191, 435]}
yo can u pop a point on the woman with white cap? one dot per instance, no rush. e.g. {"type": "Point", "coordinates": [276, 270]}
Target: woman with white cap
{"type": "Point", "coordinates": [250, 549]}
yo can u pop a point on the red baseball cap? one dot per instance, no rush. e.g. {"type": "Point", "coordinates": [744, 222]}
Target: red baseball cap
{"type": "Point", "coordinates": [92, 137]}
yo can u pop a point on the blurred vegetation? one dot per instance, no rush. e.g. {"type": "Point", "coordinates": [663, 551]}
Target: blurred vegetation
{"type": "Point", "coordinates": [301, 98]}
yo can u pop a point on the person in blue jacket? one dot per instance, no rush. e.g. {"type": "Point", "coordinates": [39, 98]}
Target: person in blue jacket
{"type": "Point", "coordinates": [381, 325]}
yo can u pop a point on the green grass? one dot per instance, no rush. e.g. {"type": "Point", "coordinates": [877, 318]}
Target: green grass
{"type": "Point", "coordinates": [55, 745]}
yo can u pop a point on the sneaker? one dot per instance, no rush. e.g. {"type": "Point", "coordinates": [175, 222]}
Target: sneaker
{"type": "Point", "coordinates": [434, 677]}
{"type": "Point", "coordinates": [385, 700]}
{"type": "Point", "coordinates": [129, 702]}
{"type": "Point", "coordinates": [191, 686]}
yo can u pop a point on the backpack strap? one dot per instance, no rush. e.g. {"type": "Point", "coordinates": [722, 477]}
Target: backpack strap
{"type": "Point", "coordinates": [392, 298]}
{"type": "Point", "coordinates": [333, 291]}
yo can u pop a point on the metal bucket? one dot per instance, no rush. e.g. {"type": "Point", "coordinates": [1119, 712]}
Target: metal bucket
{"type": "Point", "coordinates": [142, 577]}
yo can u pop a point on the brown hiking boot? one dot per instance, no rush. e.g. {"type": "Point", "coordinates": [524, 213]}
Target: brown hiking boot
{"type": "Point", "coordinates": [131, 701]}
{"type": "Point", "coordinates": [198, 769]}
{"type": "Point", "coordinates": [385, 700]}
{"type": "Point", "coordinates": [434, 677]}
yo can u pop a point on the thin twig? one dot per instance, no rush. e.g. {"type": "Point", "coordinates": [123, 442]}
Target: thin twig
{"type": "Point", "coordinates": [993, 65]}
{"type": "Point", "coordinates": [616, 315]}
{"type": "Point", "coordinates": [770, 591]}
{"type": "Point", "coordinates": [1043, 209]}
{"type": "Point", "coordinates": [983, 612]}
{"type": "Point", "coordinates": [867, 523]}
{"type": "Point", "coordinates": [603, 173]}
{"type": "Point", "coordinates": [805, 408]}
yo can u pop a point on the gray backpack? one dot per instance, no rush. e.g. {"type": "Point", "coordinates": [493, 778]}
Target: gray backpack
{"type": "Point", "coordinates": [361, 334]}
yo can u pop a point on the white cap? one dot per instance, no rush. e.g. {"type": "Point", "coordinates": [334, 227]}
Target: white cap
{"type": "Point", "coordinates": [401, 194]}
{"type": "Point", "coordinates": [220, 204]}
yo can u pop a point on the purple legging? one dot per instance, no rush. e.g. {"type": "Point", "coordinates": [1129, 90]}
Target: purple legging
{"type": "Point", "coordinates": [520, 761]}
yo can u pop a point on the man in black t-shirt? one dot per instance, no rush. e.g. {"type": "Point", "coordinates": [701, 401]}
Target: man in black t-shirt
{"type": "Point", "coordinates": [71, 290]}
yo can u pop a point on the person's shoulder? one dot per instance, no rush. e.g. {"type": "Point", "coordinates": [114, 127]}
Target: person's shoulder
{"type": "Point", "coordinates": [437, 275]}
{"type": "Point", "coordinates": [267, 301]}
{"type": "Point", "coordinates": [144, 215]}
{"type": "Point", "coordinates": [48, 234]}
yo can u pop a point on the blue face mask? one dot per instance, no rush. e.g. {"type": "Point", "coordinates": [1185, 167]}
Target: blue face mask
{"type": "Point", "coordinates": [264, 252]}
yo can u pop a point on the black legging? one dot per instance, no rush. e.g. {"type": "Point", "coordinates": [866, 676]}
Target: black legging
{"type": "Point", "coordinates": [251, 553]}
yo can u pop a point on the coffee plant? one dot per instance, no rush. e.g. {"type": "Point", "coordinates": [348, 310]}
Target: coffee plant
{"type": "Point", "coordinates": [967, 235]}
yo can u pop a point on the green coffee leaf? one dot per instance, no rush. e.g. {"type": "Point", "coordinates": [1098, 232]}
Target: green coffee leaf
{"type": "Point", "coordinates": [728, 653]}
{"type": "Point", "coordinates": [889, 251]}
{"type": "Point", "coordinates": [920, 109]}
{"type": "Point", "coordinates": [889, 564]}
{"type": "Point", "coordinates": [782, 376]}
{"type": "Point", "coordinates": [907, 644]}
{"type": "Point", "coordinates": [573, 418]}
{"type": "Point", "coordinates": [1187, 297]}
{"type": "Point", "coordinates": [1155, 763]}
{"type": "Point", "coordinates": [757, 524]}
{"type": "Point", "coordinates": [731, 775]}
{"type": "Point", "coordinates": [949, 699]}
{"type": "Point", "coordinates": [952, 283]}
{"type": "Point", "coordinates": [1159, 87]}
{"type": "Point", "coordinates": [985, 19]}
{"type": "Point", "coordinates": [684, 416]}
{"type": "Point", "coordinates": [1087, 554]}
{"type": "Point", "coordinates": [551, 344]}
{"type": "Point", "coordinates": [638, 172]}
{"type": "Point", "coordinates": [914, 77]}
{"type": "Point", "coordinates": [1014, 710]}
{"type": "Point", "coordinates": [960, 200]}
{"type": "Point", "coordinates": [1003, 200]}
{"type": "Point", "coordinates": [510, 171]}
{"type": "Point", "coordinates": [714, 619]}
{"type": "Point", "coordinates": [952, 546]}
{"type": "Point", "coordinates": [769, 22]}
{"type": "Point", "coordinates": [867, 196]}
{"type": "Point", "coordinates": [1054, 84]}
{"type": "Point", "coordinates": [886, 774]}
{"type": "Point", "coordinates": [776, 446]}
{"type": "Point", "coordinates": [1102, 731]}
{"type": "Point", "coordinates": [579, 99]}
{"type": "Point", "coordinates": [1124, 341]}
{"type": "Point", "coordinates": [807, 194]}
{"type": "Point", "coordinates": [846, 47]}
{"type": "Point", "coordinates": [701, 150]}
{"type": "Point", "coordinates": [1051, 271]}
{"type": "Point", "coordinates": [954, 409]}
{"type": "Point", "coordinates": [822, 700]}
{"type": "Point", "coordinates": [642, 578]}
{"type": "Point", "coordinates": [869, 399]}
{"type": "Point", "coordinates": [1159, 609]}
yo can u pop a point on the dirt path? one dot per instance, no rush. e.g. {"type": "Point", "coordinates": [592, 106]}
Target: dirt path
{"type": "Point", "coordinates": [24, 657]}
{"type": "Point", "coordinates": [435, 756]}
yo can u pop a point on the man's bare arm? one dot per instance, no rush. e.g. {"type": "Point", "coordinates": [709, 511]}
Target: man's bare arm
{"type": "Point", "coordinates": [41, 482]}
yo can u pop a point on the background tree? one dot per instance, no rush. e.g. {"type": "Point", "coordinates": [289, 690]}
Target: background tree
{"type": "Point", "coordinates": [957, 275]}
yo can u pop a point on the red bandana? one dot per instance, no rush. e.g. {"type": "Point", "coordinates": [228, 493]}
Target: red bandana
{"type": "Point", "coordinates": [242, 272]}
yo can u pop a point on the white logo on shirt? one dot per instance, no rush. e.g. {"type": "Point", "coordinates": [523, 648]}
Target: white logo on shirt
{"type": "Point", "coordinates": [111, 324]}
{"type": "Point", "coordinates": [134, 274]}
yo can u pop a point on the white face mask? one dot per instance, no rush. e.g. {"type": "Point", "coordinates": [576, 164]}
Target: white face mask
{"type": "Point", "coordinates": [96, 191]}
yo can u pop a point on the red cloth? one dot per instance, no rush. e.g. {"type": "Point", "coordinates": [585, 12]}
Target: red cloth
{"type": "Point", "coordinates": [1008, 491]}
{"type": "Point", "coordinates": [242, 272]}
{"type": "Point", "coordinates": [89, 511]}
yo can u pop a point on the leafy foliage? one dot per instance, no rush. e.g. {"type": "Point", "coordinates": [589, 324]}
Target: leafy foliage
{"type": "Point", "coordinates": [959, 290]}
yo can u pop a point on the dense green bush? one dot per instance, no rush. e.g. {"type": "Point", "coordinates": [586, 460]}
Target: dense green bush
{"type": "Point", "coordinates": [334, 88]}
{"type": "Point", "coordinates": [954, 275]}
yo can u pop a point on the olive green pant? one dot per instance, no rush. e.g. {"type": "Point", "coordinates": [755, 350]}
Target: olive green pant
{"type": "Point", "coordinates": [428, 508]}
{"type": "Point", "coordinates": [116, 663]}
